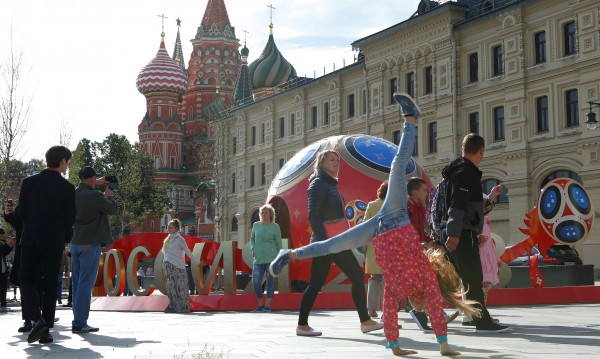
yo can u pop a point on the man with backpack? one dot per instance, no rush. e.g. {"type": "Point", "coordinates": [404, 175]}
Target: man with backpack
{"type": "Point", "coordinates": [465, 222]}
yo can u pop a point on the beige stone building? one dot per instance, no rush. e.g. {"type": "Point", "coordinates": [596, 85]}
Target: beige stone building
{"type": "Point", "coordinates": [521, 73]}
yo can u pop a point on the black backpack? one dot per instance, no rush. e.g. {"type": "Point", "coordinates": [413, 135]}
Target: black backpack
{"type": "Point", "coordinates": [438, 212]}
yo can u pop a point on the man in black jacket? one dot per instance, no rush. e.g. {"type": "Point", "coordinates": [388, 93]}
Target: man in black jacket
{"type": "Point", "coordinates": [465, 223]}
{"type": "Point", "coordinates": [47, 208]}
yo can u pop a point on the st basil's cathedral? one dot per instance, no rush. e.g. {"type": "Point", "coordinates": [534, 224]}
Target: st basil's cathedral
{"type": "Point", "coordinates": [182, 102]}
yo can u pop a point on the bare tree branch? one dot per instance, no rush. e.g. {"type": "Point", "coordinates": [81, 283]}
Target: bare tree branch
{"type": "Point", "coordinates": [15, 109]}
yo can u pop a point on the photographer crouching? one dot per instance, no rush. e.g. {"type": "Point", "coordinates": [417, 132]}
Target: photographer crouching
{"type": "Point", "coordinates": [91, 231]}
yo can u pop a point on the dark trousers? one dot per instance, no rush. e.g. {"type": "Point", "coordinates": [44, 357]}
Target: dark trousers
{"type": "Point", "coordinates": [468, 265]}
{"type": "Point", "coordinates": [3, 289]}
{"type": "Point", "coordinates": [32, 259]}
{"type": "Point", "coordinates": [319, 270]}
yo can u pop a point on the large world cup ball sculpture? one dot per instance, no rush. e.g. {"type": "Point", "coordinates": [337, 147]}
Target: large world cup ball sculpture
{"type": "Point", "coordinates": [364, 163]}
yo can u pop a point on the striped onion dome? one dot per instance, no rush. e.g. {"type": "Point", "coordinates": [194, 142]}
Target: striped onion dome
{"type": "Point", "coordinates": [162, 74]}
{"type": "Point", "coordinates": [271, 69]}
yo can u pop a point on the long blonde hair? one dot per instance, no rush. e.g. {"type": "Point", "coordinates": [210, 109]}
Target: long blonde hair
{"type": "Point", "coordinates": [451, 286]}
{"type": "Point", "coordinates": [170, 238]}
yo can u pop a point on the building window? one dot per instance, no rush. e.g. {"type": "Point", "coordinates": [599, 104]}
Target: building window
{"type": "Point", "coordinates": [263, 173]}
{"type": "Point", "coordinates": [393, 89]}
{"type": "Point", "coordinates": [157, 162]}
{"type": "Point", "coordinates": [234, 224]}
{"type": "Point", "coordinates": [262, 133]}
{"type": "Point", "coordinates": [572, 108]}
{"type": "Point", "coordinates": [569, 33]}
{"type": "Point", "coordinates": [473, 68]}
{"type": "Point", "coordinates": [540, 47]}
{"type": "Point", "coordinates": [326, 113]}
{"type": "Point", "coordinates": [364, 102]}
{"type": "Point", "coordinates": [233, 182]}
{"type": "Point", "coordinates": [292, 121]}
{"type": "Point", "coordinates": [313, 117]}
{"type": "Point", "coordinates": [351, 106]}
{"type": "Point", "coordinates": [234, 145]}
{"type": "Point", "coordinates": [474, 122]}
{"type": "Point", "coordinates": [428, 80]}
{"type": "Point", "coordinates": [561, 174]}
{"type": "Point", "coordinates": [172, 162]}
{"type": "Point", "coordinates": [542, 113]}
{"type": "Point", "coordinates": [254, 218]}
{"type": "Point", "coordinates": [396, 137]}
{"type": "Point", "coordinates": [281, 127]}
{"type": "Point", "coordinates": [252, 183]}
{"type": "Point", "coordinates": [497, 58]}
{"type": "Point", "coordinates": [416, 148]}
{"type": "Point", "coordinates": [253, 136]}
{"type": "Point", "coordinates": [281, 162]}
{"type": "Point", "coordinates": [410, 84]}
{"type": "Point", "coordinates": [499, 123]}
{"type": "Point", "coordinates": [487, 188]}
{"type": "Point", "coordinates": [432, 132]}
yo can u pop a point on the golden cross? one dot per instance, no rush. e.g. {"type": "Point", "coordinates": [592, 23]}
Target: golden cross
{"type": "Point", "coordinates": [272, 8]}
{"type": "Point", "coordinates": [245, 34]}
{"type": "Point", "coordinates": [163, 21]}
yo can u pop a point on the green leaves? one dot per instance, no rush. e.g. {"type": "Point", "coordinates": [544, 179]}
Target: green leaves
{"type": "Point", "coordinates": [134, 169]}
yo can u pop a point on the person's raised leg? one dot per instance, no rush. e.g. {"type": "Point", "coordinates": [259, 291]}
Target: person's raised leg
{"type": "Point", "coordinates": [395, 203]}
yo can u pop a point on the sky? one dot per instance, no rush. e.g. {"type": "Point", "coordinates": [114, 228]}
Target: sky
{"type": "Point", "coordinates": [82, 58]}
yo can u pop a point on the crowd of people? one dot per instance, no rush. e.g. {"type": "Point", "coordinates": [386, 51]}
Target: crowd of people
{"type": "Point", "coordinates": [403, 260]}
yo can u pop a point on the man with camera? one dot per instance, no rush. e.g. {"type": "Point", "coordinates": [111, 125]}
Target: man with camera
{"type": "Point", "coordinates": [90, 232]}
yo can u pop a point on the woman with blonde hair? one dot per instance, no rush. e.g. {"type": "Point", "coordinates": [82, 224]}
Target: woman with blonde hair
{"type": "Point", "coordinates": [265, 241]}
{"type": "Point", "coordinates": [326, 219]}
{"type": "Point", "coordinates": [174, 250]}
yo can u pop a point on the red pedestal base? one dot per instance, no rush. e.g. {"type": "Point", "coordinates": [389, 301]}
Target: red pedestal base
{"type": "Point", "coordinates": [506, 296]}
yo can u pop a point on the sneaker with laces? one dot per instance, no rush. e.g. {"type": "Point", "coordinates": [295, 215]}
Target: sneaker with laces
{"type": "Point", "coordinates": [282, 259]}
{"type": "Point", "coordinates": [259, 309]}
{"type": "Point", "coordinates": [421, 319]}
{"type": "Point", "coordinates": [491, 328]}
{"type": "Point", "coordinates": [407, 105]}
{"type": "Point", "coordinates": [266, 309]}
{"type": "Point", "coordinates": [84, 329]}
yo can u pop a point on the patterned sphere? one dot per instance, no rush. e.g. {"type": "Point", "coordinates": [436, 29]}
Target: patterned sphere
{"type": "Point", "coordinates": [565, 211]}
{"type": "Point", "coordinates": [162, 74]}
{"type": "Point", "coordinates": [355, 212]}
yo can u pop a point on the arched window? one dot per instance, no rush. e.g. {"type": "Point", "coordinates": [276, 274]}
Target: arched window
{"type": "Point", "coordinates": [487, 188]}
{"type": "Point", "coordinates": [234, 224]}
{"type": "Point", "coordinates": [254, 218]}
{"type": "Point", "coordinates": [561, 174]}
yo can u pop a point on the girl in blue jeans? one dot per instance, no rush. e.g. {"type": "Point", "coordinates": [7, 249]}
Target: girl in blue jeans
{"type": "Point", "coordinates": [393, 233]}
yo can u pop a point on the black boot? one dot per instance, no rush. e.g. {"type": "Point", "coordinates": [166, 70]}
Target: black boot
{"type": "Point", "coordinates": [26, 328]}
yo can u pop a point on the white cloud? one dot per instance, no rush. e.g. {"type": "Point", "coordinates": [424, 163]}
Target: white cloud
{"type": "Point", "coordinates": [86, 56]}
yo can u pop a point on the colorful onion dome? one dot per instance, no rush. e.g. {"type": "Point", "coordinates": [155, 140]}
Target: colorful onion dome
{"type": "Point", "coordinates": [216, 108]}
{"type": "Point", "coordinates": [271, 69]}
{"type": "Point", "coordinates": [162, 74]}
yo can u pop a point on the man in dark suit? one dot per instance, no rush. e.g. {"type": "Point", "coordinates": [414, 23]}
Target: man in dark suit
{"type": "Point", "coordinates": [47, 208]}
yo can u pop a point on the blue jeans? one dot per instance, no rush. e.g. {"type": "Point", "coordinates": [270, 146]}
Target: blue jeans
{"type": "Point", "coordinates": [258, 272]}
{"type": "Point", "coordinates": [85, 260]}
{"type": "Point", "coordinates": [393, 212]}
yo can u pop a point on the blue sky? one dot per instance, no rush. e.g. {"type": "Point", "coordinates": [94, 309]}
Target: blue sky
{"type": "Point", "coordinates": [85, 56]}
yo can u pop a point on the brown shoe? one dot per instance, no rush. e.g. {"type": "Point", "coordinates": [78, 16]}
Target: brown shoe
{"type": "Point", "coordinates": [373, 313]}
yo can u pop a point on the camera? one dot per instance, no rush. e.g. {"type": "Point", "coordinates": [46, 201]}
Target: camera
{"type": "Point", "coordinates": [113, 184]}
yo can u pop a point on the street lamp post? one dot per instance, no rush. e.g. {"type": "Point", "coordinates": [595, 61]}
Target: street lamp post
{"type": "Point", "coordinates": [591, 122]}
